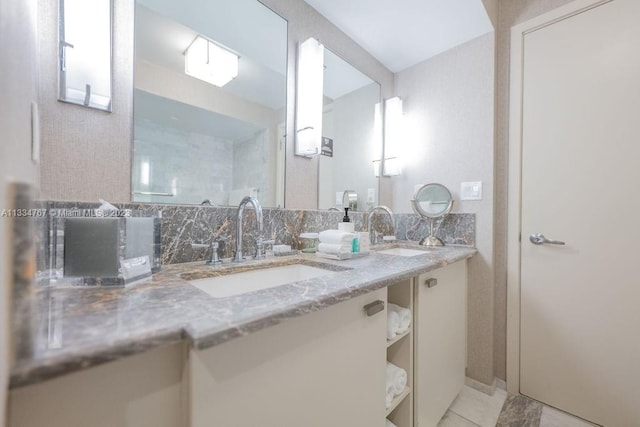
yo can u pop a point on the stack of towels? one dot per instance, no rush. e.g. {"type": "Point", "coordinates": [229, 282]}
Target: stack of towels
{"type": "Point", "coordinates": [396, 382]}
{"type": "Point", "coordinates": [335, 242]}
{"type": "Point", "coordinates": [390, 424]}
{"type": "Point", "coordinates": [398, 320]}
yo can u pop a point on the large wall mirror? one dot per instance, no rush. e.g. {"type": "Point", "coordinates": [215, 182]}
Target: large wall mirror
{"type": "Point", "coordinates": [209, 102]}
{"type": "Point", "coordinates": [352, 137]}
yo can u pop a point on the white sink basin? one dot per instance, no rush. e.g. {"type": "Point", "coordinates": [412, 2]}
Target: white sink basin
{"type": "Point", "coordinates": [256, 280]}
{"type": "Point", "coordinates": [402, 252]}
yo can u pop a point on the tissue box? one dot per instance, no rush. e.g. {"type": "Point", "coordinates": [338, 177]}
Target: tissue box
{"type": "Point", "coordinates": [111, 251]}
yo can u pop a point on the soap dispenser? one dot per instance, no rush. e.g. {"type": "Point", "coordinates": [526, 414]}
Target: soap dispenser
{"type": "Point", "coordinates": [346, 224]}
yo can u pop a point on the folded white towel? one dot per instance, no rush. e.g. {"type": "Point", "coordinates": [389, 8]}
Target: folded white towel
{"type": "Point", "coordinates": [393, 321]}
{"type": "Point", "coordinates": [332, 248]}
{"type": "Point", "coordinates": [390, 424]}
{"type": "Point", "coordinates": [396, 379]}
{"type": "Point", "coordinates": [336, 237]}
{"type": "Point", "coordinates": [404, 314]}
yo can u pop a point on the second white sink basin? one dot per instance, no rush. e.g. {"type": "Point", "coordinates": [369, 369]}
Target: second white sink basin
{"type": "Point", "coordinates": [254, 280]}
{"type": "Point", "coordinates": [402, 252]}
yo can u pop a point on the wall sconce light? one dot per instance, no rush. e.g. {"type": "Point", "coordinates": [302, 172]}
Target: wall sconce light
{"type": "Point", "coordinates": [393, 136]}
{"type": "Point", "coordinates": [309, 98]}
{"type": "Point", "coordinates": [376, 168]}
{"type": "Point", "coordinates": [210, 62]}
{"type": "Point", "coordinates": [392, 166]}
{"type": "Point", "coordinates": [385, 155]}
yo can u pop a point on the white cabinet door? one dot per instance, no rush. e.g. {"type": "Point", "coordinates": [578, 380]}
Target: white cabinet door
{"type": "Point", "coordinates": [323, 369]}
{"type": "Point", "coordinates": [440, 341]}
{"type": "Point", "coordinates": [144, 390]}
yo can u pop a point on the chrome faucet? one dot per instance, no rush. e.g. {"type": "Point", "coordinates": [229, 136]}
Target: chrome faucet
{"type": "Point", "coordinates": [372, 237]}
{"type": "Point", "coordinates": [259, 223]}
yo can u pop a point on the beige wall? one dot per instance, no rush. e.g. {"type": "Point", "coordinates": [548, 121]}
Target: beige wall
{"type": "Point", "coordinates": [87, 153]}
{"type": "Point", "coordinates": [448, 105]}
{"type": "Point", "coordinates": [510, 13]}
{"type": "Point", "coordinates": [18, 89]}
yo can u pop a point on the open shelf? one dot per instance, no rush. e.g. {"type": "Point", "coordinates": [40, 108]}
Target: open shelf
{"type": "Point", "coordinates": [398, 337]}
{"type": "Point", "coordinates": [400, 353]}
{"type": "Point", "coordinates": [397, 400]}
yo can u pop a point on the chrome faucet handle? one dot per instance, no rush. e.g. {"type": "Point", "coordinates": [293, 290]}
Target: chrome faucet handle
{"type": "Point", "coordinates": [215, 257]}
{"type": "Point", "coordinates": [260, 242]}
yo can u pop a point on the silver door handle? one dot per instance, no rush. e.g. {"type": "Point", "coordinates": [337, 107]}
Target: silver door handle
{"type": "Point", "coordinates": [539, 239]}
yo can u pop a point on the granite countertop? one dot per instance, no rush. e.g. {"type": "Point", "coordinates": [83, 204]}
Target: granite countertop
{"type": "Point", "coordinates": [79, 327]}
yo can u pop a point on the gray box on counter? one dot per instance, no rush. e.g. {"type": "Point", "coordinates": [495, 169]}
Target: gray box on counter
{"type": "Point", "coordinates": [91, 247]}
{"type": "Point", "coordinates": [139, 238]}
{"type": "Point", "coordinates": [98, 250]}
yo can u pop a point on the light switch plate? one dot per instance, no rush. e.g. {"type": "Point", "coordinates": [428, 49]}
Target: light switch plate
{"type": "Point", "coordinates": [471, 190]}
{"type": "Point", "coordinates": [339, 195]}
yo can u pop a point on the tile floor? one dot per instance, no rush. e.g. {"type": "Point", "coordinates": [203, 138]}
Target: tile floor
{"type": "Point", "coordinates": [473, 408]}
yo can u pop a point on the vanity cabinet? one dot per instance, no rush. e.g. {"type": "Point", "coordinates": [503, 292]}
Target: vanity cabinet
{"type": "Point", "coordinates": [440, 325]}
{"type": "Point", "coordinates": [323, 369]}
{"type": "Point", "coordinates": [144, 390]}
{"type": "Point", "coordinates": [326, 368]}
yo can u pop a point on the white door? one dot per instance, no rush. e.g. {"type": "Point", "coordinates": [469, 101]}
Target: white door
{"type": "Point", "coordinates": [580, 302]}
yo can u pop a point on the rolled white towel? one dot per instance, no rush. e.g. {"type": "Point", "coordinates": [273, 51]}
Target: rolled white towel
{"type": "Point", "coordinates": [393, 321]}
{"type": "Point", "coordinates": [390, 424]}
{"type": "Point", "coordinates": [396, 379]}
{"type": "Point", "coordinates": [336, 237]}
{"type": "Point", "coordinates": [390, 391]}
{"type": "Point", "coordinates": [405, 317]}
{"type": "Point", "coordinates": [332, 248]}
{"type": "Point", "coordinates": [388, 399]}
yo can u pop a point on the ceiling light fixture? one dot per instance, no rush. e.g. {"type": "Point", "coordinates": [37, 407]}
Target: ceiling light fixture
{"type": "Point", "coordinates": [210, 62]}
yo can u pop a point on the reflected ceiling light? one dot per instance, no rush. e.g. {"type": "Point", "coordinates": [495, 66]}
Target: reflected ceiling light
{"type": "Point", "coordinates": [210, 62]}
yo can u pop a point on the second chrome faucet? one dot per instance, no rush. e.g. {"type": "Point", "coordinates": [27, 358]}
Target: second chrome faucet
{"type": "Point", "coordinates": [260, 242]}
{"type": "Point", "coordinates": [372, 234]}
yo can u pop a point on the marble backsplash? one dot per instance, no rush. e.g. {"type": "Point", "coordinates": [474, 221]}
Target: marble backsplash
{"type": "Point", "coordinates": [183, 225]}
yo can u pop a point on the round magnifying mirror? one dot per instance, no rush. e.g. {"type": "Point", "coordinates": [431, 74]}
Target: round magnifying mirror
{"type": "Point", "coordinates": [432, 201]}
